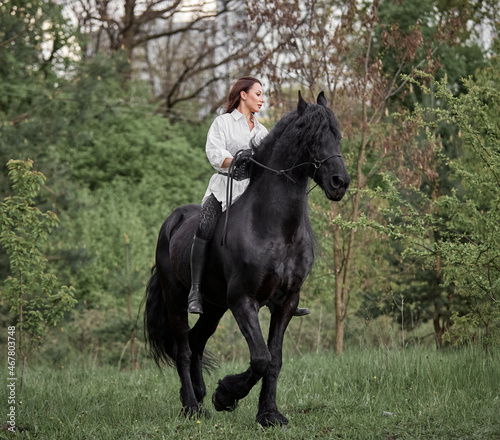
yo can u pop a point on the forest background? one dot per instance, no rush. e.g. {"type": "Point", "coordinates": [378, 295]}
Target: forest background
{"type": "Point", "coordinates": [112, 100]}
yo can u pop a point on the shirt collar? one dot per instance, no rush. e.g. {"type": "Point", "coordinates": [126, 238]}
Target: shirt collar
{"type": "Point", "coordinates": [237, 115]}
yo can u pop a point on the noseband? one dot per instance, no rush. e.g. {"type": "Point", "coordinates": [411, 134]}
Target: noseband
{"type": "Point", "coordinates": [229, 187]}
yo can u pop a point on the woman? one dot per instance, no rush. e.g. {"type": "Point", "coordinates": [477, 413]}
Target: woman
{"type": "Point", "coordinates": [228, 134]}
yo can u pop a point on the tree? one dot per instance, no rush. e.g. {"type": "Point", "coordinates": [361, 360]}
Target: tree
{"type": "Point", "coordinates": [185, 50]}
{"type": "Point", "coordinates": [35, 301]}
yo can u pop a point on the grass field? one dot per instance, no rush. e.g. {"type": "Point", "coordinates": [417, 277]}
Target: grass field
{"type": "Point", "coordinates": [429, 395]}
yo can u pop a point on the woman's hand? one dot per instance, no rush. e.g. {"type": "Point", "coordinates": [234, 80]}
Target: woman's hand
{"type": "Point", "coordinates": [242, 157]}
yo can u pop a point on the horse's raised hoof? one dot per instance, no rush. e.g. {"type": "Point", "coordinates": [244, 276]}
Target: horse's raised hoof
{"type": "Point", "coordinates": [223, 400]}
{"type": "Point", "coordinates": [272, 419]}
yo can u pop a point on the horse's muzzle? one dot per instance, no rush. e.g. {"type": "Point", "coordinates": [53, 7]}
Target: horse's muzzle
{"type": "Point", "coordinates": [337, 187]}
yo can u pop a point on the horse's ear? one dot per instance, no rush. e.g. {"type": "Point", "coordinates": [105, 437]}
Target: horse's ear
{"type": "Point", "coordinates": [322, 100]}
{"type": "Point", "coordinates": [302, 104]}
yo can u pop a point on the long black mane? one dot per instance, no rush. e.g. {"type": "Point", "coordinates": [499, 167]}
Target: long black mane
{"type": "Point", "coordinates": [285, 140]}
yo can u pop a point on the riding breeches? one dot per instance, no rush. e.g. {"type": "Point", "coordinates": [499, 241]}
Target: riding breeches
{"type": "Point", "coordinates": [211, 209]}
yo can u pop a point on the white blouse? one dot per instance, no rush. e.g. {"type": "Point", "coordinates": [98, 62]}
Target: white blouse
{"type": "Point", "coordinates": [228, 134]}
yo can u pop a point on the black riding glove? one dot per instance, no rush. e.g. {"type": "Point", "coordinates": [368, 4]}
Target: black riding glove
{"type": "Point", "coordinates": [241, 165]}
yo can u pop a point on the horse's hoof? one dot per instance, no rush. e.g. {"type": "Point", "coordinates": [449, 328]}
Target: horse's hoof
{"type": "Point", "coordinates": [188, 412]}
{"type": "Point", "coordinates": [195, 413]}
{"type": "Point", "coordinates": [204, 413]}
{"type": "Point", "coordinates": [222, 400]}
{"type": "Point", "coordinates": [272, 419]}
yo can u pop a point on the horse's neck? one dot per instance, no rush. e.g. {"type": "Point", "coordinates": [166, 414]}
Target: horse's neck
{"type": "Point", "coordinates": [280, 202]}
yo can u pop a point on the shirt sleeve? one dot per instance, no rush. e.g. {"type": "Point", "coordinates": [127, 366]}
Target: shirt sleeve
{"type": "Point", "coordinates": [261, 134]}
{"type": "Point", "coordinates": [216, 147]}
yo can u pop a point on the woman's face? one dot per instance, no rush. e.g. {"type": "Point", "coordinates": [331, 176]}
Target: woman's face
{"type": "Point", "coordinates": [254, 98]}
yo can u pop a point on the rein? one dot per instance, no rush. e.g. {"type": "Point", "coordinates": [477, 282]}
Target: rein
{"type": "Point", "coordinates": [317, 164]}
{"type": "Point", "coordinates": [230, 178]}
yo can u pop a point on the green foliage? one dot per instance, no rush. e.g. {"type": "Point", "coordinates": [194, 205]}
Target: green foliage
{"type": "Point", "coordinates": [31, 292]}
{"type": "Point", "coordinates": [472, 250]}
{"type": "Point", "coordinates": [132, 170]}
{"type": "Point", "coordinates": [133, 149]}
{"type": "Point", "coordinates": [115, 166]}
{"type": "Point", "coordinates": [35, 47]}
{"type": "Point", "coordinates": [457, 234]}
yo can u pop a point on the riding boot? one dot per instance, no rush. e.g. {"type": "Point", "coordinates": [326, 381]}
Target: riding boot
{"type": "Point", "coordinates": [198, 254]}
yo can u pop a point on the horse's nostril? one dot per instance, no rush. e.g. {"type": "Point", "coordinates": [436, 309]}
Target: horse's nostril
{"type": "Point", "coordinates": [338, 182]}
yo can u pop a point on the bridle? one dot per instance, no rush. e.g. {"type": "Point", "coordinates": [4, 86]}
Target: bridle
{"type": "Point", "coordinates": [230, 178]}
{"type": "Point", "coordinates": [316, 163]}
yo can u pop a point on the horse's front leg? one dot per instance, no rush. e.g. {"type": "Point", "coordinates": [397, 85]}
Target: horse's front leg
{"type": "Point", "coordinates": [268, 414]}
{"type": "Point", "coordinates": [234, 387]}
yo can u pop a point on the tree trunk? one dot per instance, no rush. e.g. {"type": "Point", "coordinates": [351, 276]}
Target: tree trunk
{"type": "Point", "coordinates": [129, 28]}
{"type": "Point", "coordinates": [342, 261]}
{"type": "Point", "coordinates": [339, 297]}
{"type": "Point", "coordinates": [339, 320]}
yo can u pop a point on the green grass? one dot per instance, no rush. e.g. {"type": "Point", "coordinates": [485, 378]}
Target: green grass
{"type": "Point", "coordinates": [431, 394]}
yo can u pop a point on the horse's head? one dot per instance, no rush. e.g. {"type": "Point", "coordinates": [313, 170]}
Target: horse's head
{"type": "Point", "coordinates": [317, 131]}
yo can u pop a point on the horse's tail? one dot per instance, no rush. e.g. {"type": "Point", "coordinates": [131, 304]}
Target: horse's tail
{"type": "Point", "coordinates": [157, 332]}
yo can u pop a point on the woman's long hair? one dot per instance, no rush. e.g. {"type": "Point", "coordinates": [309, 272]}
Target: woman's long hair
{"type": "Point", "coordinates": [244, 84]}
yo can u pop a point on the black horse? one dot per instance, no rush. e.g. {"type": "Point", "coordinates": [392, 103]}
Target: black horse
{"type": "Point", "coordinates": [266, 256]}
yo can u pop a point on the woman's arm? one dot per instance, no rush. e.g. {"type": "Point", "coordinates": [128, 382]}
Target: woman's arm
{"type": "Point", "coordinates": [227, 162]}
{"type": "Point", "coordinates": [216, 150]}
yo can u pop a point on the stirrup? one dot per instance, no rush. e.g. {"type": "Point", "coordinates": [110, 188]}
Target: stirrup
{"type": "Point", "coordinates": [301, 311]}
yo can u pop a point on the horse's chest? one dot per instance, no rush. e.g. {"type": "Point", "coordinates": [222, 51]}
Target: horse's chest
{"type": "Point", "coordinates": [288, 265]}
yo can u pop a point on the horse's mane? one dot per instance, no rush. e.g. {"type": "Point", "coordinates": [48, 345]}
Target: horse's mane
{"type": "Point", "coordinates": [295, 130]}
{"type": "Point", "coordinates": [291, 133]}
{"type": "Point", "coordinates": [275, 134]}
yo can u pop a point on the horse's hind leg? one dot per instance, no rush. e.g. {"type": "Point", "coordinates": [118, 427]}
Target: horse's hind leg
{"type": "Point", "coordinates": [174, 293]}
{"type": "Point", "coordinates": [198, 337]}
{"type": "Point", "coordinates": [234, 387]}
